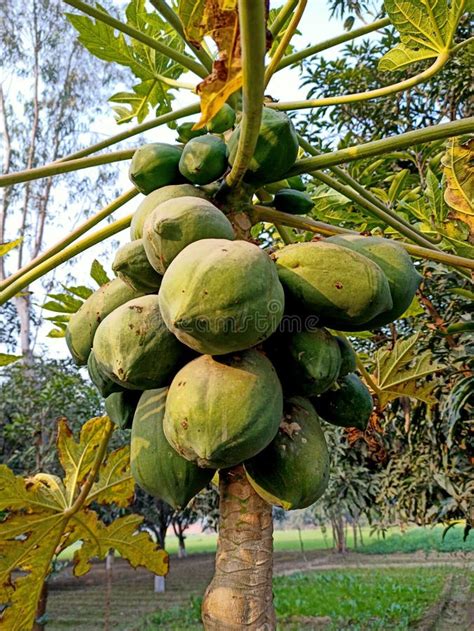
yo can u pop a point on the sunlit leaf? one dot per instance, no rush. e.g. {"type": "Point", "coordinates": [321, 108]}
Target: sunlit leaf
{"type": "Point", "coordinates": [6, 247]}
{"type": "Point", "coordinates": [458, 163]}
{"type": "Point", "coordinates": [98, 273]}
{"type": "Point", "coordinates": [7, 359]}
{"type": "Point", "coordinates": [115, 483]}
{"type": "Point", "coordinates": [426, 29]}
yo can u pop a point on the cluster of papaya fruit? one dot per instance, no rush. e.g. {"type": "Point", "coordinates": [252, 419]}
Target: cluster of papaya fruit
{"type": "Point", "coordinates": [216, 353]}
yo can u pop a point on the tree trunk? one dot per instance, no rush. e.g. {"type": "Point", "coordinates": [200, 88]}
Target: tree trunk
{"type": "Point", "coordinates": [182, 553]}
{"type": "Point", "coordinates": [240, 594]}
{"type": "Point", "coordinates": [339, 531]}
{"type": "Point", "coordinates": [354, 534]}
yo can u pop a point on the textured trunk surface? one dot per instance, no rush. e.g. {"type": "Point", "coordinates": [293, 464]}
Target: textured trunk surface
{"type": "Point", "coordinates": [240, 594]}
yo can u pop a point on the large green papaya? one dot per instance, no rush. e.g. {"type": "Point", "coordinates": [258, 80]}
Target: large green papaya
{"type": "Point", "coordinates": [223, 120]}
{"type": "Point", "coordinates": [83, 324]}
{"type": "Point", "coordinates": [289, 200]}
{"type": "Point", "coordinates": [276, 149]}
{"type": "Point", "coordinates": [120, 407]}
{"type": "Point", "coordinates": [157, 197]}
{"type": "Point", "coordinates": [296, 182]}
{"type": "Point", "coordinates": [156, 467]}
{"type": "Point", "coordinates": [310, 361]}
{"type": "Point", "coordinates": [293, 471]}
{"type": "Point", "coordinates": [221, 296]}
{"type": "Point", "coordinates": [204, 159]}
{"type": "Point", "coordinates": [178, 222]}
{"type": "Point", "coordinates": [134, 348]}
{"type": "Point", "coordinates": [155, 165]}
{"type": "Point", "coordinates": [104, 385]}
{"type": "Point", "coordinates": [396, 264]}
{"type": "Point", "coordinates": [131, 264]}
{"type": "Point", "coordinates": [343, 288]}
{"type": "Point", "coordinates": [348, 404]}
{"type": "Point", "coordinates": [348, 356]}
{"type": "Point", "coordinates": [223, 410]}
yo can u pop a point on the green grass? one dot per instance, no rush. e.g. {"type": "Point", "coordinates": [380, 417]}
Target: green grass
{"type": "Point", "coordinates": [415, 539]}
{"type": "Point", "coordinates": [359, 600]}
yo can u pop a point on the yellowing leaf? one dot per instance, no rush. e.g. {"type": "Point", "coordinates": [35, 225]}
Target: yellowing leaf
{"type": "Point", "coordinates": [220, 20]}
{"type": "Point", "coordinates": [6, 247]}
{"type": "Point", "coordinates": [398, 372]}
{"type": "Point", "coordinates": [426, 28]}
{"type": "Point", "coordinates": [458, 163]}
{"type": "Point", "coordinates": [115, 483]}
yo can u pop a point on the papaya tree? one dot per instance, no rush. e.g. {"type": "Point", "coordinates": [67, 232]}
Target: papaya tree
{"type": "Point", "coordinates": [224, 339]}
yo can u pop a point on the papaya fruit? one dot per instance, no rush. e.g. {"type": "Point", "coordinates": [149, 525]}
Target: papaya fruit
{"type": "Point", "coordinates": [221, 296]}
{"type": "Point", "coordinates": [155, 165]}
{"type": "Point", "coordinates": [120, 407]}
{"type": "Point", "coordinates": [276, 150]}
{"type": "Point", "coordinates": [186, 131]}
{"type": "Point", "coordinates": [396, 264]}
{"type": "Point", "coordinates": [156, 467]}
{"type": "Point", "coordinates": [310, 360]}
{"type": "Point", "coordinates": [83, 324]}
{"type": "Point", "coordinates": [204, 159]}
{"type": "Point", "coordinates": [348, 356]}
{"type": "Point", "coordinates": [274, 187]}
{"type": "Point", "coordinates": [348, 404]}
{"type": "Point", "coordinates": [104, 385]}
{"type": "Point", "coordinates": [132, 266]}
{"type": "Point", "coordinates": [133, 347]}
{"type": "Point", "coordinates": [178, 222]}
{"type": "Point", "coordinates": [343, 288]}
{"type": "Point", "coordinates": [157, 197]}
{"type": "Point", "coordinates": [296, 182]}
{"type": "Point", "coordinates": [288, 200]}
{"type": "Point", "coordinates": [221, 411]}
{"type": "Point", "coordinates": [293, 471]}
{"type": "Point", "coordinates": [223, 120]}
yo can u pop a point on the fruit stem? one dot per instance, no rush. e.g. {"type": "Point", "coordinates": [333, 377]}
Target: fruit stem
{"type": "Point", "coordinates": [155, 44]}
{"type": "Point", "coordinates": [72, 236]}
{"type": "Point", "coordinates": [384, 145]}
{"type": "Point", "coordinates": [285, 40]}
{"type": "Point", "coordinates": [366, 375]}
{"type": "Point", "coordinates": [400, 86]}
{"type": "Point", "coordinates": [366, 194]}
{"type": "Point", "coordinates": [252, 36]}
{"type": "Point", "coordinates": [286, 235]}
{"type": "Point", "coordinates": [294, 58]}
{"type": "Point", "coordinates": [263, 213]}
{"type": "Point", "coordinates": [170, 16]}
{"type": "Point", "coordinates": [65, 255]}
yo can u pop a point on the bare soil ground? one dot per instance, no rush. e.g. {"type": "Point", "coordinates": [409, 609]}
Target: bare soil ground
{"type": "Point", "coordinates": [86, 603]}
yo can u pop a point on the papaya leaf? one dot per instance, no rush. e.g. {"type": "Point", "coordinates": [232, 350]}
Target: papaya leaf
{"type": "Point", "coordinates": [426, 29]}
{"type": "Point", "coordinates": [400, 372]}
{"type": "Point", "coordinates": [7, 359]}
{"type": "Point", "coordinates": [458, 163]}
{"type": "Point", "coordinates": [98, 273]}
{"type": "Point", "coordinates": [6, 247]}
{"type": "Point", "coordinates": [218, 19]}
{"type": "Point", "coordinates": [44, 514]}
{"type": "Point", "coordinates": [81, 291]}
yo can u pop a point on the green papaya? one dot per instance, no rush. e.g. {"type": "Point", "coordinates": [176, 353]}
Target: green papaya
{"type": "Point", "coordinates": [288, 200]}
{"type": "Point", "coordinates": [157, 197]}
{"type": "Point", "coordinates": [204, 159]}
{"type": "Point", "coordinates": [221, 296]}
{"type": "Point", "coordinates": [120, 407]}
{"type": "Point", "coordinates": [178, 222]}
{"type": "Point", "coordinates": [223, 120]}
{"type": "Point", "coordinates": [348, 356]}
{"type": "Point", "coordinates": [83, 324]}
{"type": "Point", "coordinates": [348, 404]}
{"type": "Point", "coordinates": [343, 288]}
{"type": "Point", "coordinates": [155, 165]}
{"type": "Point", "coordinates": [186, 131]}
{"type": "Point", "coordinates": [276, 150]}
{"type": "Point", "coordinates": [156, 467]}
{"type": "Point", "coordinates": [223, 410]}
{"type": "Point", "coordinates": [274, 187]}
{"type": "Point", "coordinates": [296, 182]}
{"type": "Point", "coordinates": [293, 471]}
{"type": "Point", "coordinates": [134, 348]}
{"type": "Point", "coordinates": [104, 385]}
{"type": "Point", "coordinates": [396, 264]}
{"type": "Point", "coordinates": [131, 264]}
{"type": "Point", "coordinates": [310, 360]}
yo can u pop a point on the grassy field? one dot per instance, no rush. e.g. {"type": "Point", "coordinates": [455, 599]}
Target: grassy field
{"type": "Point", "coordinates": [368, 600]}
{"type": "Point", "coordinates": [425, 539]}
